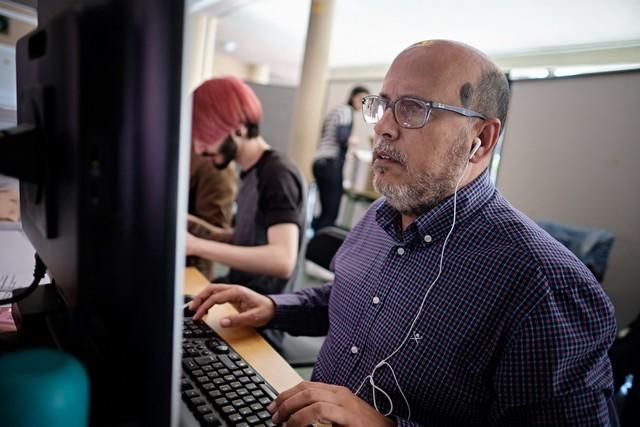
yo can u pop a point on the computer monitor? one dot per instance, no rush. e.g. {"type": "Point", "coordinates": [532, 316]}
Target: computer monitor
{"type": "Point", "coordinates": [99, 81]}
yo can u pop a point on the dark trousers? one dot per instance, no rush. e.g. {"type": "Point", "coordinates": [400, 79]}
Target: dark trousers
{"type": "Point", "coordinates": [328, 175]}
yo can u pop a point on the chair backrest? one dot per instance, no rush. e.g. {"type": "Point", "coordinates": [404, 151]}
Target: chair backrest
{"type": "Point", "coordinates": [591, 245]}
{"type": "Point", "coordinates": [324, 244]}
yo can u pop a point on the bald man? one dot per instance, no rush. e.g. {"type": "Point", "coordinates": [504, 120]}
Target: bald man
{"type": "Point", "coordinates": [449, 307]}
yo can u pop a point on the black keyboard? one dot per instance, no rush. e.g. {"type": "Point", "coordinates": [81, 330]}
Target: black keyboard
{"type": "Point", "coordinates": [218, 386]}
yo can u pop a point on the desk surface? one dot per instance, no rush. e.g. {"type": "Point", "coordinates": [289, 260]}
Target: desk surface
{"type": "Point", "coordinates": [246, 341]}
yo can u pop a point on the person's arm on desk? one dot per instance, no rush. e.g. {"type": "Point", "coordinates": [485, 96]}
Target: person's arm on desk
{"type": "Point", "coordinates": [301, 313]}
{"type": "Point", "coordinates": [277, 258]}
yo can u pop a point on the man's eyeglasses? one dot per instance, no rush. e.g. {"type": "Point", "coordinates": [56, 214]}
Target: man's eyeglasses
{"type": "Point", "coordinates": [410, 112]}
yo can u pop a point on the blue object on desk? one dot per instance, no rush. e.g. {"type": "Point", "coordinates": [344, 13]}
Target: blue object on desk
{"type": "Point", "coordinates": [41, 387]}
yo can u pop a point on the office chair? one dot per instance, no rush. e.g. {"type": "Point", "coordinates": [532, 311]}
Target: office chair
{"type": "Point", "coordinates": [592, 246]}
{"type": "Point", "coordinates": [302, 351]}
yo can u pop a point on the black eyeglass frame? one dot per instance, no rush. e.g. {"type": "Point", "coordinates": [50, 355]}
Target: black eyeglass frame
{"type": "Point", "coordinates": [428, 106]}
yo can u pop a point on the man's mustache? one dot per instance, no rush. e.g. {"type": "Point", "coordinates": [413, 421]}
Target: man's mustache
{"type": "Point", "coordinates": [384, 148]}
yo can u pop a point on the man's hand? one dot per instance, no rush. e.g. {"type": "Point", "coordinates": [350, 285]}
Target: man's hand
{"type": "Point", "coordinates": [254, 309]}
{"type": "Point", "coordinates": [310, 402]}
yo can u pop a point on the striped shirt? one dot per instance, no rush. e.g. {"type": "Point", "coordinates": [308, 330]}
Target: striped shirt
{"type": "Point", "coordinates": [515, 331]}
{"type": "Point", "coordinates": [336, 130]}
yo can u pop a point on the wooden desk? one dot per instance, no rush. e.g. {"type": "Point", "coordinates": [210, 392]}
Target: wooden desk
{"type": "Point", "coordinates": [246, 341]}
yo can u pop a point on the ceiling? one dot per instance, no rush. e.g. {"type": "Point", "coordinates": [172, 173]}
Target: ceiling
{"type": "Point", "coordinates": [372, 32]}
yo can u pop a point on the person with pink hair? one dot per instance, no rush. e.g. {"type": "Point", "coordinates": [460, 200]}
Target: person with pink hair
{"type": "Point", "coordinates": [262, 248]}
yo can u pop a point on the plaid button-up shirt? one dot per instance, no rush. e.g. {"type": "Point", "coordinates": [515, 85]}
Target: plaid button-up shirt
{"type": "Point", "coordinates": [515, 331]}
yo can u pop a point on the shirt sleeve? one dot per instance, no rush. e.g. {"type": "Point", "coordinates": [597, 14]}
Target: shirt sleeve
{"type": "Point", "coordinates": [281, 196]}
{"type": "Point", "coordinates": [555, 369]}
{"type": "Point", "coordinates": [304, 312]}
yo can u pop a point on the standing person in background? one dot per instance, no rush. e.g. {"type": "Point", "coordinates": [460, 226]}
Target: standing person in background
{"type": "Point", "coordinates": [330, 156]}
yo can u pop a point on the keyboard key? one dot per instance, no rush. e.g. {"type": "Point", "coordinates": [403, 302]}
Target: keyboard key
{"type": "Point", "coordinates": [214, 394]}
{"type": "Point", "coordinates": [256, 407]}
{"type": "Point", "coordinates": [221, 401]}
{"type": "Point", "coordinates": [265, 400]}
{"type": "Point", "coordinates": [204, 360]}
{"type": "Point", "coordinates": [191, 393]}
{"type": "Point", "coordinates": [197, 401]}
{"type": "Point", "coordinates": [189, 364]}
{"type": "Point", "coordinates": [227, 409]}
{"type": "Point", "coordinates": [210, 420]}
{"type": "Point", "coordinates": [267, 390]}
{"type": "Point", "coordinates": [234, 418]}
{"type": "Point", "coordinates": [253, 419]}
{"type": "Point", "coordinates": [220, 349]}
{"type": "Point", "coordinates": [227, 362]}
{"type": "Point", "coordinates": [203, 409]}
{"type": "Point", "coordinates": [264, 415]}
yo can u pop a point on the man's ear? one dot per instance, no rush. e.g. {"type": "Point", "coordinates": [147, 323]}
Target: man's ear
{"type": "Point", "coordinates": [488, 136]}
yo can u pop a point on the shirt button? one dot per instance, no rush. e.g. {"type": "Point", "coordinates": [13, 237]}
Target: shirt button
{"type": "Point", "coordinates": [400, 251]}
{"type": "Point", "coordinates": [376, 300]}
{"type": "Point", "coordinates": [427, 238]}
{"type": "Point", "coordinates": [354, 349]}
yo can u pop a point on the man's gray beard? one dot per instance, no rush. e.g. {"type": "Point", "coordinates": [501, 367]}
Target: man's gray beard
{"type": "Point", "coordinates": [427, 189]}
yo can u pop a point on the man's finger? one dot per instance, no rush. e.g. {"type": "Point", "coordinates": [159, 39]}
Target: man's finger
{"type": "Point", "coordinates": [248, 318]}
{"type": "Point", "coordinates": [320, 413]}
{"type": "Point", "coordinates": [224, 294]}
{"type": "Point", "coordinates": [201, 296]}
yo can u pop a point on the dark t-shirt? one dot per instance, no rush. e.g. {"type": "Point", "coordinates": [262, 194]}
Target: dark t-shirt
{"type": "Point", "coordinates": [271, 192]}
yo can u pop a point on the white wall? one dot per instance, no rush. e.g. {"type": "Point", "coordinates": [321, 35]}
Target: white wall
{"type": "Point", "coordinates": [572, 154]}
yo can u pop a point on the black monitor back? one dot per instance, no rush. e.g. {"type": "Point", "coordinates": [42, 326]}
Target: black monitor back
{"type": "Point", "coordinates": [101, 81]}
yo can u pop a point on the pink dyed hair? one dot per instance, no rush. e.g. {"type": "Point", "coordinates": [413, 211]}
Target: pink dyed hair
{"type": "Point", "coordinates": [222, 105]}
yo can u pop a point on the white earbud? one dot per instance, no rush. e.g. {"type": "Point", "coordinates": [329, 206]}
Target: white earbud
{"type": "Point", "coordinates": [476, 144]}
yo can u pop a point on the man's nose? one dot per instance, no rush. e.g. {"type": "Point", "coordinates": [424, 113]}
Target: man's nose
{"type": "Point", "coordinates": [387, 126]}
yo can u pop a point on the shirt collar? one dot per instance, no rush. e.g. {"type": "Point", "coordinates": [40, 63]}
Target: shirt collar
{"type": "Point", "coordinates": [435, 223]}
